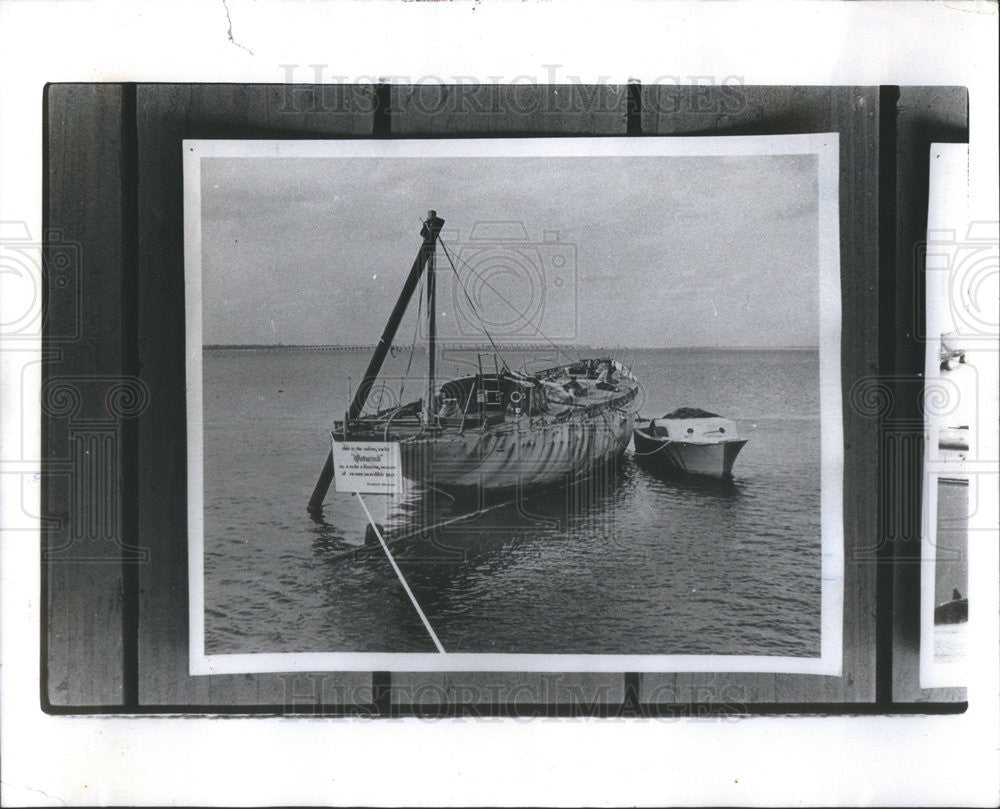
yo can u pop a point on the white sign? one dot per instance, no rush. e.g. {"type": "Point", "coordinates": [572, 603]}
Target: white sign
{"type": "Point", "coordinates": [367, 466]}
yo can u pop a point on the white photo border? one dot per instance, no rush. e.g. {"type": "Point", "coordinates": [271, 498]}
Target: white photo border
{"type": "Point", "coordinates": [947, 224]}
{"type": "Point", "coordinates": [824, 145]}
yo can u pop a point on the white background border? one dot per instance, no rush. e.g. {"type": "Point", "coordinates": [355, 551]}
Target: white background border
{"type": "Point", "coordinates": [931, 760]}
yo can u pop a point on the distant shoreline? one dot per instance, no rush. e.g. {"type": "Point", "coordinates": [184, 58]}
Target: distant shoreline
{"type": "Point", "coordinates": [505, 347]}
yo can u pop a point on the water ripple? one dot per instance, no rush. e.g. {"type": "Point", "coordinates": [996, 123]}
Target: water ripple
{"type": "Point", "coordinates": [639, 565]}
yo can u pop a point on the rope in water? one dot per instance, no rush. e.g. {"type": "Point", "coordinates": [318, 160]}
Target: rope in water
{"type": "Point", "coordinates": [399, 575]}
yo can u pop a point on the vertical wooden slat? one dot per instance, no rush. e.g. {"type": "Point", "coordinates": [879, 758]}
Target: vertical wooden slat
{"type": "Point", "coordinates": [924, 115]}
{"type": "Point", "coordinates": [165, 115]}
{"type": "Point", "coordinates": [853, 113]}
{"type": "Point", "coordinates": [461, 111]}
{"type": "Point", "coordinates": [81, 385]}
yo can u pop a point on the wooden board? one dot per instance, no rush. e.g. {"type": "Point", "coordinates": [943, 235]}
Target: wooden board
{"type": "Point", "coordinates": [166, 114]}
{"type": "Point", "coordinates": [116, 626]}
{"type": "Point", "coordinates": [505, 693]}
{"type": "Point", "coordinates": [82, 380]}
{"type": "Point", "coordinates": [924, 115]}
{"type": "Point", "coordinates": [456, 111]}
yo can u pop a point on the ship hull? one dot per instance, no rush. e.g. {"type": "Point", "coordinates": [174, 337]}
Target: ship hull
{"type": "Point", "coordinates": [507, 435]}
{"type": "Point", "coordinates": [669, 456]}
{"type": "Point", "coordinates": [517, 455]}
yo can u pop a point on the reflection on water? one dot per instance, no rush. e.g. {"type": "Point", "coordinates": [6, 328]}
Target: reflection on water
{"type": "Point", "coordinates": [621, 561]}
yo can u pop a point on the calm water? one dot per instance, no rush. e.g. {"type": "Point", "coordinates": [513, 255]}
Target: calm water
{"type": "Point", "coordinates": [631, 564]}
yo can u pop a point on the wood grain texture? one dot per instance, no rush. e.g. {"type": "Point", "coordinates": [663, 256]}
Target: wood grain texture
{"type": "Point", "coordinates": [952, 531]}
{"type": "Point", "coordinates": [477, 110]}
{"type": "Point", "coordinates": [166, 114]}
{"type": "Point", "coordinates": [924, 115]}
{"type": "Point", "coordinates": [459, 111]}
{"type": "Point", "coordinates": [853, 112]}
{"type": "Point", "coordinates": [83, 575]}
{"type": "Point", "coordinates": [503, 691]}
{"type": "Point", "coordinates": [711, 692]}
{"type": "Point", "coordinates": [81, 446]}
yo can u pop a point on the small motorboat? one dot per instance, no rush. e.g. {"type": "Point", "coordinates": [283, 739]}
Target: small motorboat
{"type": "Point", "coordinates": [689, 441]}
{"type": "Point", "coordinates": [954, 611]}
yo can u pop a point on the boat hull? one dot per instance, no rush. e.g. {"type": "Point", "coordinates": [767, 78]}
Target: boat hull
{"type": "Point", "coordinates": [669, 456]}
{"type": "Point", "coordinates": [517, 455]}
{"type": "Point", "coordinates": [510, 430]}
{"type": "Point", "coordinates": [952, 612]}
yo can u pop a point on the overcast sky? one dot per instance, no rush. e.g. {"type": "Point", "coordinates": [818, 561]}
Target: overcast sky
{"type": "Point", "coordinates": [650, 251]}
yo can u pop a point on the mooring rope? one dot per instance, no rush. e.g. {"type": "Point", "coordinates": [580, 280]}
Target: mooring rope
{"type": "Point", "coordinates": [654, 437]}
{"type": "Point", "coordinates": [399, 575]}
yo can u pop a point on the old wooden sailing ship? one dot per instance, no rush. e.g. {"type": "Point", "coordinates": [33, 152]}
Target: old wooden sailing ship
{"type": "Point", "coordinates": [496, 428]}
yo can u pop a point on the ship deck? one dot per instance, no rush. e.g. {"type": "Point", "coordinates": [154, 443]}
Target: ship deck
{"type": "Point", "coordinates": [499, 403]}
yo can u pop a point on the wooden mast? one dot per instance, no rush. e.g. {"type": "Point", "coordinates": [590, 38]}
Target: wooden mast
{"type": "Point", "coordinates": [431, 326]}
{"type": "Point", "coordinates": [430, 229]}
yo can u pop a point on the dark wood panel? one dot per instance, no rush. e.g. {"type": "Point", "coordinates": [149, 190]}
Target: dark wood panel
{"type": "Point", "coordinates": [84, 398]}
{"type": "Point", "coordinates": [924, 115]}
{"type": "Point", "coordinates": [853, 112]}
{"type": "Point", "coordinates": [743, 110]}
{"type": "Point", "coordinates": [502, 691]}
{"type": "Point", "coordinates": [711, 692]}
{"type": "Point", "coordinates": [458, 111]}
{"type": "Point", "coordinates": [92, 394]}
{"type": "Point", "coordinates": [478, 110]}
{"type": "Point", "coordinates": [953, 534]}
{"type": "Point", "coordinates": [165, 115]}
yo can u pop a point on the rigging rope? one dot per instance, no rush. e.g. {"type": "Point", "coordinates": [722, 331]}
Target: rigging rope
{"type": "Point", "coordinates": [469, 299]}
{"type": "Point", "coordinates": [500, 295]}
{"type": "Point", "coordinates": [465, 291]}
